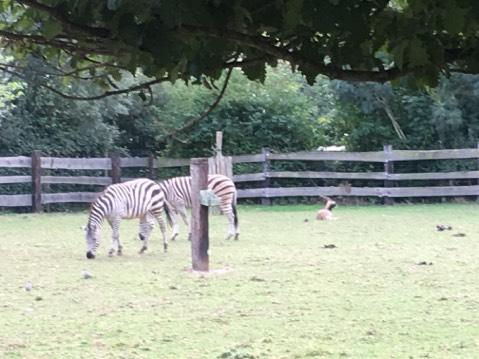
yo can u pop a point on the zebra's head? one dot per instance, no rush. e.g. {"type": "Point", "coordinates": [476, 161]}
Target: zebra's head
{"type": "Point", "coordinates": [92, 240]}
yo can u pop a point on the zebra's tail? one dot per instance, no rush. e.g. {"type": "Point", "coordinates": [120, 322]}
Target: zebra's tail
{"type": "Point", "coordinates": [235, 212]}
{"type": "Point", "coordinates": [168, 215]}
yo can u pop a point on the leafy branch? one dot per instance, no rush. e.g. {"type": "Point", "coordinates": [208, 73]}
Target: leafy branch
{"type": "Point", "coordinates": [144, 85]}
{"type": "Point", "coordinates": [189, 124]}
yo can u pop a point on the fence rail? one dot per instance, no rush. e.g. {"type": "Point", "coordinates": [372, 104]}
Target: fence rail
{"type": "Point", "coordinates": [113, 165]}
{"type": "Point", "coordinates": [393, 192]}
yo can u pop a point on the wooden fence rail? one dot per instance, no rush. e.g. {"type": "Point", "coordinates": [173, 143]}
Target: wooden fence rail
{"type": "Point", "coordinates": [390, 181]}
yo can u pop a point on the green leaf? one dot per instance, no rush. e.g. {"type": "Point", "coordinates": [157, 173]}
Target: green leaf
{"type": "Point", "coordinates": [417, 54]}
{"type": "Point", "coordinates": [142, 96]}
{"type": "Point", "coordinates": [255, 71]}
{"type": "Point", "coordinates": [454, 18]}
{"type": "Point", "coordinates": [398, 53]}
{"type": "Point", "coordinates": [309, 73]}
{"type": "Point", "coordinates": [51, 29]}
{"type": "Point", "coordinates": [292, 14]}
{"type": "Point", "coordinates": [116, 74]}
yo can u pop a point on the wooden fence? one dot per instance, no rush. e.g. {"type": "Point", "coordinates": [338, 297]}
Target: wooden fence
{"type": "Point", "coordinates": [113, 165]}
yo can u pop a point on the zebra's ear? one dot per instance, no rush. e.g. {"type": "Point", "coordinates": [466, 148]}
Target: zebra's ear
{"type": "Point", "coordinates": [83, 228]}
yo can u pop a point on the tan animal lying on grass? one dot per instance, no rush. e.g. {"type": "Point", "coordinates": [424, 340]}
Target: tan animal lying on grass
{"type": "Point", "coordinates": [325, 213]}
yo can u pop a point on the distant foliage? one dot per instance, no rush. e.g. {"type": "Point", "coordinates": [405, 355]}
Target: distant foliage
{"type": "Point", "coordinates": [285, 114]}
{"type": "Point", "coordinates": [36, 119]}
{"type": "Point", "coordinates": [280, 114]}
{"type": "Point", "coordinates": [432, 118]}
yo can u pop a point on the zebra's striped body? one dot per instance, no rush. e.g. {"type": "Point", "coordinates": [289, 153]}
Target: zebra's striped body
{"type": "Point", "coordinates": [140, 198]}
{"type": "Point", "coordinates": [178, 197]}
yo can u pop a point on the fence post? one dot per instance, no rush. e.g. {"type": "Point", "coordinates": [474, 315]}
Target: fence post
{"type": "Point", "coordinates": [199, 215]}
{"type": "Point", "coordinates": [388, 169]}
{"type": "Point", "coordinates": [219, 142]}
{"type": "Point", "coordinates": [266, 201]}
{"type": "Point", "coordinates": [37, 182]}
{"type": "Point", "coordinates": [115, 172]}
{"type": "Point", "coordinates": [151, 166]}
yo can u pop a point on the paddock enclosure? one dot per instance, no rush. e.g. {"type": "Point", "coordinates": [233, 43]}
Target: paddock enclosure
{"type": "Point", "coordinates": [378, 282]}
{"type": "Point", "coordinates": [386, 175]}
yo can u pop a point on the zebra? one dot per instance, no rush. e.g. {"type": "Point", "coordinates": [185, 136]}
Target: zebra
{"type": "Point", "coordinates": [141, 198]}
{"type": "Point", "coordinates": [178, 197]}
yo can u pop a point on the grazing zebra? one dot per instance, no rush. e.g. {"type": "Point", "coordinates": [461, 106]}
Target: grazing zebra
{"type": "Point", "coordinates": [178, 196]}
{"type": "Point", "coordinates": [141, 198]}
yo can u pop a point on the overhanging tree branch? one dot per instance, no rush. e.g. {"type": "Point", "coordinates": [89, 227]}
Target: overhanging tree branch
{"type": "Point", "coordinates": [192, 122]}
{"type": "Point", "coordinates": [65, 21]}
{"type": "Point", "coordinates": [264, 45]}
{"type": "Point", "coordinates": [59, 72]}
{"type": "Point", "coordinates": [144, 85]}
{"type": "Point", "coordinates": [59, 42]}
{"type": "Point", "coordinates": [141, 86]}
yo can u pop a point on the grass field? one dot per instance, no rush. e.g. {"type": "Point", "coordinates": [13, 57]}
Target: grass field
{"type": "Point", "coordinates": [394, 287]}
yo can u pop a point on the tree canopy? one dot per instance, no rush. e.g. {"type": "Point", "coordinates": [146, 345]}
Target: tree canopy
{"type": "Point", "coordinates": [357, 40]}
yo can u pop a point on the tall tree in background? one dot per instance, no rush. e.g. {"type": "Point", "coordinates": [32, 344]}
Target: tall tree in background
{"type": "Point", "coordinates": [33, 118]}
{"type": "Point", "coordinates": [430, 118]}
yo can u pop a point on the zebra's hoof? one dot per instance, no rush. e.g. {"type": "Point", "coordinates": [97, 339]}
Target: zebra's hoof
{"type": "Point", "coordinates": [111, 252]}
{"type": "Point", "coordinates": [236, 237]}
{"type": "Point", "coordinates": [173, 237]}
{"type": "Point", "coordinates": [119, 253]}
{"type": "Point", "coordinates": [143, 249]}
{"type": "Point", "coordinates": [165, 248]}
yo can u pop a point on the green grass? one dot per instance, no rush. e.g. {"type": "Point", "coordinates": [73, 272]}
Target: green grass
{"type": "Point", "coordinates": [276, 293]}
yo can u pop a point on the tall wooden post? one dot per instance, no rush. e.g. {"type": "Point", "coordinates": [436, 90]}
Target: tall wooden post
{"type": "Point", "coordinates": [151, 166]}
{"type": "Point", "coordinates": [266, 168]}
{"type": "Point", "coordinates": [388, 169]}
{"type": "Point", "coordinates": [199, 215]}
{"type": "Point", "coordinates": [115, 173]}
{"type": "Point", "coordinates": [219, 142]}
{"type": "Point", "coordinates": [36, 182]}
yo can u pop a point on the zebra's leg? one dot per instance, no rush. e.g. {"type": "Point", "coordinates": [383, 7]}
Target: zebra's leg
{"type": "Point", "coordinates": [115, 242]}
{"type": "Point", "coordinates": [182, 211]}
{"type": "Point", "coordinates": [146, 225]}
{"type": "Point", "coordinates": [174, 221]}
{"type": "Point", "coordinates": [161, 223]}
{"type": "Point", "coordinates": [227, 210]}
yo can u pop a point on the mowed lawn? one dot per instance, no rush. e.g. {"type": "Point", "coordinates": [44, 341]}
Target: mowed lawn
{"type": "Point", "coordinates": [393, 287]}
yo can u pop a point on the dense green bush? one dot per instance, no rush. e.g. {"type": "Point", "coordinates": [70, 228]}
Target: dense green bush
{"type": "Point", "coordinates": [278, 114]}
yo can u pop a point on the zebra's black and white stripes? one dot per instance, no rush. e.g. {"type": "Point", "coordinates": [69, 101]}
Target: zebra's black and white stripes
{"type": "Point", "coordinates": [178, 196]}
{"type": "Point", "coordinates": [141, 198]}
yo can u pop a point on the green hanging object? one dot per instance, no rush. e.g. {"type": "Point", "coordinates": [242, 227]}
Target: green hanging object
{"type": "Point", "coordinates": [209, 198]}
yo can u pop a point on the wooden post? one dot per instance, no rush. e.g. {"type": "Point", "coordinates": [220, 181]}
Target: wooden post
{"type": "Point", "coordinates": [219, 142]}
{"type": "Point", "coordinates": [115, 172]}
{"type": "Point", "coordinates": [36, 182]}
{"type": "Point", "coordinates": [199, 215]}
{"type": "Point", "coordinates": [219, 164]}
{"type": "Point", "coordinates": [266, 168]}
{"type": "Point", "coordinates": [151, 166]}
{"type": "Point", "coordinates": [388, 169]}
